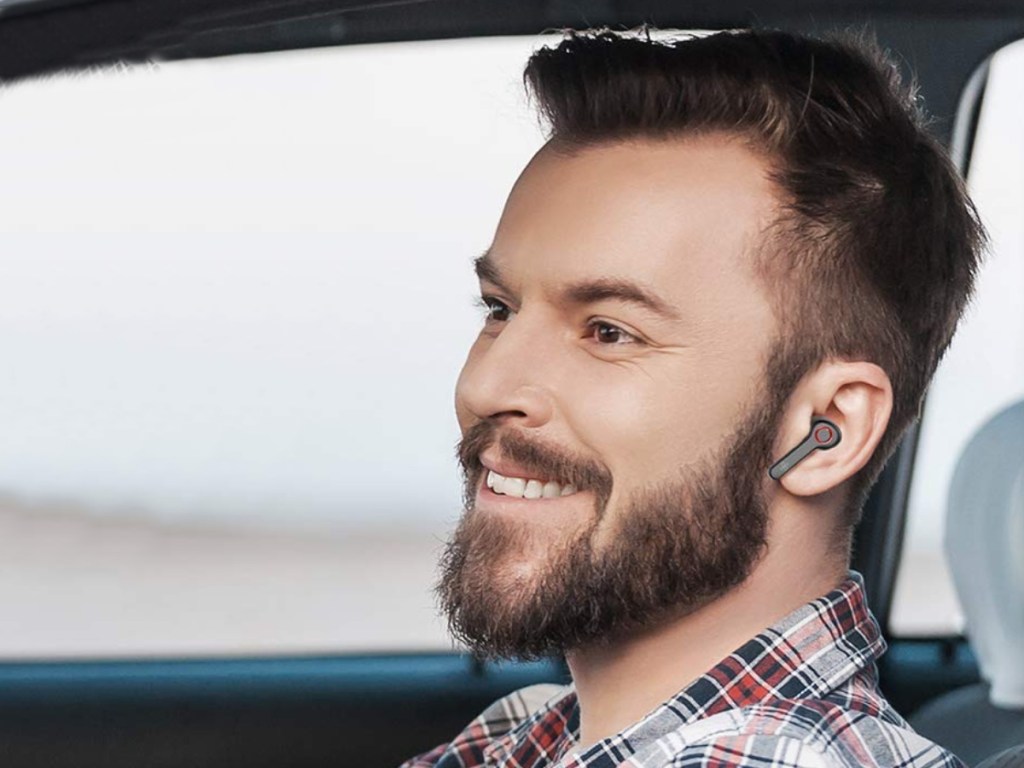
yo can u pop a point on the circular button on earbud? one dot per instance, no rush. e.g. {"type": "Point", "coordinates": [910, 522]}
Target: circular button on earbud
{"type": "Point", "coordinates": [823, 435]}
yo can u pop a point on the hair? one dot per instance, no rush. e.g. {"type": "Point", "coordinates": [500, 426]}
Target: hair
{"type": "Point", "coordinates": [875, 251]}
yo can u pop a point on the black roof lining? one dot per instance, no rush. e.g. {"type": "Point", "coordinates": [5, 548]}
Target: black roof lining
{"type": "Point", "coordinates": [39, 36]}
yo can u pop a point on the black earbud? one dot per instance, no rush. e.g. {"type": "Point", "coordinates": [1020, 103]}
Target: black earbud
{"type": "Point", "coordinates": [824, 435]}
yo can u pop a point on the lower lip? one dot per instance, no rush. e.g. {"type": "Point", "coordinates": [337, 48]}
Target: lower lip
{"type": "Point", "coordinates": [487, 500]}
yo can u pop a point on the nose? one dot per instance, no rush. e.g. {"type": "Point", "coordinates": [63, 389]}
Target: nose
{"type": "Point", "coordinates": [507, 377]}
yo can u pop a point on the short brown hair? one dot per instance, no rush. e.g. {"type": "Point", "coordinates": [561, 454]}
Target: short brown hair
{"type": "Point", "coordinates": [875, 255]}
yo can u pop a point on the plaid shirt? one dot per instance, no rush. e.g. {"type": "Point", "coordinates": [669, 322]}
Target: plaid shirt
{"type": "Point", "coordinates": [803, 692]}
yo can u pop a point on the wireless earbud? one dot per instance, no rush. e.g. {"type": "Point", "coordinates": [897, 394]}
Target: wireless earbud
{"type": "Point", "coordinates": [824, 434]}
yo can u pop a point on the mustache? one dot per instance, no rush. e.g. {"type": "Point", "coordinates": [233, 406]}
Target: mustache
{"type": "Point", "coordinates": [537, 458]}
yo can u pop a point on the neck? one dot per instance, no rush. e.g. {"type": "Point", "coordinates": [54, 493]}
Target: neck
{"type": "Point", "coordinates": [618, 683]}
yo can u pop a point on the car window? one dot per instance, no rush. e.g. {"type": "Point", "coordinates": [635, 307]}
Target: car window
{"type": "Point", "coordinates": [983, 371]}
{"type": "Point", "coordinates": [236, 296]}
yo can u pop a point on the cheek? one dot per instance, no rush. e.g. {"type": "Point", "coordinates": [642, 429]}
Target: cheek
{"type": "Point", "coordinates": [620, 415]}
{"type": "Point", "coordinates": [645, 427]}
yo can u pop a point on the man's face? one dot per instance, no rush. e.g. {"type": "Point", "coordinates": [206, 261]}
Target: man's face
{"type": "Point", "coordinates": [656, 413]}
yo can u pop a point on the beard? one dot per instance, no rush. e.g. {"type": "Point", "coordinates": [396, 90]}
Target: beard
{"type": "Point", "coordinates": [677, 545]}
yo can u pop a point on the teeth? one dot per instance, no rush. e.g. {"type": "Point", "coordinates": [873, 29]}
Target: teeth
{"type": "Point", "coordinates": [514, 486]}
{"type": "Point", "coordinates": [520, 488]}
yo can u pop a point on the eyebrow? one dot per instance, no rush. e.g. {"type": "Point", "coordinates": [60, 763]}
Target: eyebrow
{"type": "Point", "coordinates": [588, 291]}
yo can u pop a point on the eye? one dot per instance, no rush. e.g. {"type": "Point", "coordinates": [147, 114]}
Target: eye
{"type": "Point", "coordinates": [608, 335]}
{"type": "Point", "coordinates": [494, 309]}
{"type": "Point", "coordinates": [611, 335]}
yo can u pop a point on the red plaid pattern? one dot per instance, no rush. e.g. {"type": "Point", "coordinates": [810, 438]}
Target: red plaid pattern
{"type": "Point", "coordinates": [802, 693]}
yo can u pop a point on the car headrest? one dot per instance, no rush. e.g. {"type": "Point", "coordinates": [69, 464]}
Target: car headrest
{"type": "Point", "coordinates": [985, 546]}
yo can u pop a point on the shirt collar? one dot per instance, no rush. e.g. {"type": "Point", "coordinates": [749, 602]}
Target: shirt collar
{"type": "Point", "coordinates": [807, 654]}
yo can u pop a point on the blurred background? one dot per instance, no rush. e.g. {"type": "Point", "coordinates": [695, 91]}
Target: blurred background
{"type": "Point", "coordinates": [235, 295]}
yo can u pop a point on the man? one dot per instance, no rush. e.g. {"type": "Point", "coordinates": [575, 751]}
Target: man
{"type": "Point", "coordinates": [729, 247]}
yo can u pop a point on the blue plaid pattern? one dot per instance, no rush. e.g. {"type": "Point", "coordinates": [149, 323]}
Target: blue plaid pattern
{"type": "Point", "coordinates": [801, 694]}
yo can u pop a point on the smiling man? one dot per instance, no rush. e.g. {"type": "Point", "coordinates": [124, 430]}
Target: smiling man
{"type": "Point", "coordinates": [724, 240]}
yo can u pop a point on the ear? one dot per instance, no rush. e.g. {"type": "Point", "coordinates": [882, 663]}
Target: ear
{"type": "Point", "coordinates": [857, 397]}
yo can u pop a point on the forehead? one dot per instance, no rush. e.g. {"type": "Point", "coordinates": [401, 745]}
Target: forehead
{"type": "Point", "coordinates": [683, 215]}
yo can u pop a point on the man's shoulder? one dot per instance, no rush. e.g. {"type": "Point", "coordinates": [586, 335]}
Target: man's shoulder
{"type": "Point", "coordinates": [799, 733]}
{"type": "Point", "coordinates": [495, 722]}
{"type": "Point", "coordinates": [512, 710]}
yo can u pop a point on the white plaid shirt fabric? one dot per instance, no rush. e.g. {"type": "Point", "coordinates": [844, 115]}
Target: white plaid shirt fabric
{"type": "Point", "coordinates": [801, 694]}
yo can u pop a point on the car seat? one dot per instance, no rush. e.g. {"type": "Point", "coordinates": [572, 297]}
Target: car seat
{"type": "Point", "coordinates": [984, 542]}
{"type": "Point", "coordinates": [1009, 758]}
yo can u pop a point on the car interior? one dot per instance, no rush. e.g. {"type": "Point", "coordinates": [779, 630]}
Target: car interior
{"type": "Point", "coordinates": [963, 688]}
